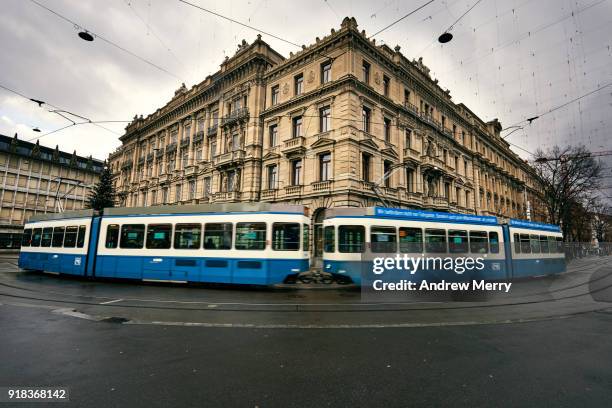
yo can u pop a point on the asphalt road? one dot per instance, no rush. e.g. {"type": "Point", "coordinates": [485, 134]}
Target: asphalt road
{"type": "Point", "coordinates": [559, 362]}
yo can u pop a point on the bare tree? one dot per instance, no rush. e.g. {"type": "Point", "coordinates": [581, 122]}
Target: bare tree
{"type": "Point", "coordinates": [569, 178]}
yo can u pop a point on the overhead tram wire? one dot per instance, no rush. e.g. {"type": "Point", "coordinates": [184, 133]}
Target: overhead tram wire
{"type": "Point", "coordinates": [59, 110]}
{"type": "Point", "coordinates": [560, 106]}
{"type": "Point", "coordinates": [75, 24]}
{"type": "Point", "coordinates": [240, 23]}
{"type": "Point", "coordinates": [398, 20]}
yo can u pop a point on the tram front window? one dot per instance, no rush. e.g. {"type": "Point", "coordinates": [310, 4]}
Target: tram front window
{"type": "Point", "coordinates": [285, 236]}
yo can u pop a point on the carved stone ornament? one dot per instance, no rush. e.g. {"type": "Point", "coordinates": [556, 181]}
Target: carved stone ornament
{"type": "Point", "coordinates": [377, 78]}
{"type": "Point", "coordinates": [285, 89]}
{"type": "Point", "coordinates": [311, 76]}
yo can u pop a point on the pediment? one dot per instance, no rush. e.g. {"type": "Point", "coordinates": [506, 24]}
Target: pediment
{"type": "Point", "coordinates": [389, 151]}
{"type": "Point", "coordinates": [322, 142]}
{"type": "Point", "coordinates": [271, 156]}
{"type": "Point", "coordinates": [369, 143]}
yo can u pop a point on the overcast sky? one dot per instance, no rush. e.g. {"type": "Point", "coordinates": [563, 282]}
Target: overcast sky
{"type": "Point", "coordinates": [510, 59]}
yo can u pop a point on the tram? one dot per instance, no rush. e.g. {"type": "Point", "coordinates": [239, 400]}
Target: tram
{"type": "Point", "coordinates": [355, 237]}
{"type": "Point", "coordinates": [256, 244]}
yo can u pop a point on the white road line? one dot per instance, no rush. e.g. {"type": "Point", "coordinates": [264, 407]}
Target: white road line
{"type": "Point", "coordinates": [111, 301]}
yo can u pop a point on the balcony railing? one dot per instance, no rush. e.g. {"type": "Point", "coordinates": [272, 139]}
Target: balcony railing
{"type": "Point", "coordinates": [235, 116]}
{"type": "Point", "coordinates": [171, 148]}
{"type": "Point", "coordinates": [229, 158]}
{"type": "Point", "coordinates": [293, 145]}
{"type": "Point", "coordinates": [227, 196]}
{"type": "Point", "coordinates": [190, 170]}
{"type": "Point", "coordinates": [411, 108]}
{"type": "Point", "coordinates": [432, 161]}
{"type": "Point", "coordinates": [127, 165]}
{"type": "Point", "coordinates": [198, 137]}
{"type": "Point", "coordinates": [411, 154]}
{"type": "Point", "coordinates": [319, 186]}
{"type": "Point", "coordinates": [293, 190]}
{"type": "Point", "coordinates": [212, 130]}
{"type": "Point", "coordinates": [269, 194]}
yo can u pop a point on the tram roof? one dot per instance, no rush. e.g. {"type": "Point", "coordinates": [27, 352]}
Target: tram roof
{"type": "Point", "coordinates": [206, 208]}
{"type": "Point", "coordinates": [412, 214]}
{"type": "Point", "coordinates": [62, 216]}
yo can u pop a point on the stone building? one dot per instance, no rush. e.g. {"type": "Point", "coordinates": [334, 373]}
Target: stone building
{"type": "Point", "coordinates": [37, 179]}
{"type": "Point", "coordinates": [342, 122]}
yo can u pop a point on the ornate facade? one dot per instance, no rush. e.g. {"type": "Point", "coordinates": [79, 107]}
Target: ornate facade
{"type": "Point", "coordinates": [343, 122]}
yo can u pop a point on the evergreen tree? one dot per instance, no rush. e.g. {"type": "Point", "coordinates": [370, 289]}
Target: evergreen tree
{"type": "Point", "coordinates": [103, 194]}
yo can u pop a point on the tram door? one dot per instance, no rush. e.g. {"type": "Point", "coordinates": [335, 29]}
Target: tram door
{"type": "Point", "coordinates": [317, 232]}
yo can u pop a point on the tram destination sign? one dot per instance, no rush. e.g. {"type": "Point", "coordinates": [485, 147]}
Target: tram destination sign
{"type": "Point", "coordinates": [407, 213]}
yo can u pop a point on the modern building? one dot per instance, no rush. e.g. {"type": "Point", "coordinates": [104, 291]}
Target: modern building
{"type": "Point", "coordinates": [342, 122]}
{"type": "Point", "coordinates": [37, 179]}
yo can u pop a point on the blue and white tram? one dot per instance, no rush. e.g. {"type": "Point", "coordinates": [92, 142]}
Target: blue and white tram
{"type": "Point", "coordinates": [260, 244]}
{"type": "Point", "coordinates": [537, 249]}
{"type": "Point", "coordinates": [354, 237]}
{"type": "Point", "coordinates": [57, 243]}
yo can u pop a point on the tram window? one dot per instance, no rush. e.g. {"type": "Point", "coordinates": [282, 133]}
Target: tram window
{"type": "Point", "coordinates": [218, 235]}
{"type": "Point", "coordinates": [525, 245]}
{"type": "Point", "coordinates": [410, 240]}
{"type": "Point", "coordinates": [47, 235]}
{"type": "Point", "coordinates": [435, 240]}
{"type": "Point", "coordinates": [285, 236]}
{"type": "Point", "coordinates": [478, 242]}
{"type": "Point", "coordinates": [494, 242]}
{"type": "Point", "coordinates": [26, 238]}
{"type": "Point", "coordinates": [544, 244]}
{"type": "Point", "coordinates": [36, 236]}
{"type": "Point", "coordinates": [251, 235]}
{"type": "Point", "coordinates": [383, 239]}
{"type": "Point", "coordinates": [535, 244]}
{"type": "Point", "coordinates": [132, 236]}
{"type": "Point", "coordinates": [560, 247]}
{"type": "Point", "coordinates": [81, 236]}
{"type": "Point", "coordinates": [112, 236]}
{"type": "Point", "coordinates": [351, 238]}
{"type": "Point", "coordinates": [457, 241]}
{"type": "Point", "coordinates": [70, 237]}
{"type": "Point", "coordinates": [159, 236]}
{"type": "Point", "coordinates": [517, 244]}
{"type": "Point", "coordinates": [187, 236]}
{"type": "Point", "coordinates": [58, 237]}
{"type": "Point", "coordinates": [329, 239]}
{"type": "Point", "coordinates": [306, 238]}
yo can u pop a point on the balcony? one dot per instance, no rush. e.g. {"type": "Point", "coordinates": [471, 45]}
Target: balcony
{"type": "Point", "coordinates": [436, 203]}
{"type": "Point", "coordinates": [164, 178]}
{"type": "Point", "coordinates": [412, 108]}
{"type": "Point", "coordinates": [127, 165]}
{"type": "Point", "coordinates": [293, 190]}
{"type": "Point", "coordinates": [171, 148]}
{"type": "Point", "coordinates": [389, 192]}
{"type": "Point", "coordinates": [212, 130]}
{"type": "Point", "coordinates": [412, 155]}
{"type": "Point", "coordinates": [294, 145]}
{"type": "Point", "coordinates": [229, 158]}
{"type": "Point", "coordinates": [434, 162]}
{"type": "Point", "coordinates": [321, 186]}
{"type": "Point", "coordinates": [413, 198]}
{"type": "Point", "coordinates": [236, 116]}
{"type": "Point", "coordinates": [191, 170]}
{"type": "Point", "coordinates": [185, 143]}
{"type": "Point", "coordinates": [198, 137]}
{"type": "Point", "coordinates": [227, 196]}
{"type": "Point", "coordinates": [269, 194]}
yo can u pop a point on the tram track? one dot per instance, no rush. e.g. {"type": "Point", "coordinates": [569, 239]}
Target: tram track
{"type": "Point", "coordinates": [290, 307]}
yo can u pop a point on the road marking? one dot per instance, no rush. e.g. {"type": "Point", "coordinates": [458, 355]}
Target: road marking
{"type": "Point", "coordinates": [111, 301]}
